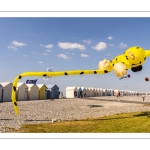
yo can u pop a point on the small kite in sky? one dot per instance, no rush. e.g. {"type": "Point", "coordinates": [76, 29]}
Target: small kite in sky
{"type": "Point", "coordinates": [146, 79]}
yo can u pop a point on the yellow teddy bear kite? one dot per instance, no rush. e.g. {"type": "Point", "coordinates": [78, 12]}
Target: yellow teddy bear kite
{"type": "Point", "coordinates": [133, 58]}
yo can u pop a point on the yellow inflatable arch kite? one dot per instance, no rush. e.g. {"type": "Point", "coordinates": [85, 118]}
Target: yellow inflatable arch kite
{"type": "Point", "coordinates": [133, 58]}
{"type": "Point", "coordinates": [44, 74]}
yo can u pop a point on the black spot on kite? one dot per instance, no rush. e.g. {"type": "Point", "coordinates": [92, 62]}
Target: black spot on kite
{"type": "Point", "coordinates": [44, 75]}
{"type": "Point", "coordinates": [14, 88]}
{"type": "Point", "coordinates": [15, 103]}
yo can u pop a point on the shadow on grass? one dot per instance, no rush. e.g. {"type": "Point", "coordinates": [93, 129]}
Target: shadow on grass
{"type": "Point", "coordinates": [143, 114]}
{"type": "Point", "coordinates": [35, 120]}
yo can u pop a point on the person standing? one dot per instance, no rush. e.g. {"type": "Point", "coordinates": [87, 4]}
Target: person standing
{"type": "Point", "coordinates": [143, 96]}
{"type": "Point", "coordinates": [118, 94]}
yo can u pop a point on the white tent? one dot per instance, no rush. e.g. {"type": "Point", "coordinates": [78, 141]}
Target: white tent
{"type": "Point", "coordinates": [6, 91]}
{"type": "Point", "coordinates": [108, 92]}
{"type": "Point", "coordinates": [132, 93]}
{"type": "Point", "coordinates": [71, 92]}
{"type": "Point", "coordinates": [127, 93]}
{"type": "Point", "coordinates": [91, 92]}
{"type": "Point", "coordinates": [101, 92]}
{"type": "Point", "coordinates": [33, 92]}
{"type": "Point", "coordinates": [87, 92]}
{"type": "Point", "coordinates": [97, 91]}
{"type": "Point", "coordinates": [104, 92]}
{"type": "Point", "coordinates": [121, 92]}
{"type": "Point", "coordinates": [22, 91]}
{"type": "Point", "coordinates": [115, 92]}
{"type": "Point", "coordinates": [111, 92]}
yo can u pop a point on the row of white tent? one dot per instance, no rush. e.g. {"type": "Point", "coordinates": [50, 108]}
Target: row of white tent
{"type": "Point", "coordinates": [28, 91]}
{"type": "Point", "coordinates": [73, 91]}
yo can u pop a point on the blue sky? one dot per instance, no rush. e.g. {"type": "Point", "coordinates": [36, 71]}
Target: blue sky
{"type": "Point", "coordinates": [35, 44]}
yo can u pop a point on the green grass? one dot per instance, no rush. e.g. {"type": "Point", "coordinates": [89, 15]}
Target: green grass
{"type": "Point", "coordinates": [138, 122]}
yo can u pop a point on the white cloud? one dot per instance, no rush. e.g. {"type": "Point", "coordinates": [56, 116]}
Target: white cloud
{"type": "Point", "coordinates": [18, 43]}
{"type": "Point", "coordinates": [45, 54]}
{"type": "Point", "coordinates": [40, 62]}
{"type": "Point", "coordinates": [34, 52]}
{"type": "Point", "coordinates": [84, 55]}
{"type": "Point", "coordinates": [112, 45]}
{"type": "Point", "coordinates": [100, 46]}
{"type": "Point", "coordinates": [62, 56]}
{"type": "Point", "coordinates": [25, 55]}
{"type": "Point", "coordinates": [122, 45]}
{"type": "Point", "coordinates": [66, 45]}
{"type": "Point", "coordinates": [109, 54]}
{"type": "Point", "coordinates": [48, 50]}
{"type": "Point", "coordinates": [87, 41]}
{"type": "Point", "coordinates": [47, 46]}
{"type": "Point", "coordinates": [15, 44]}
{"type": "Point", "coordinates": [110, 38]}
{"type": "Point", "coordinates": [12, 47]}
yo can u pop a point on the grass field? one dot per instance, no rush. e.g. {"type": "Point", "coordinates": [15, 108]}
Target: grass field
{"type": "Point", "coordinates": [138, 122]}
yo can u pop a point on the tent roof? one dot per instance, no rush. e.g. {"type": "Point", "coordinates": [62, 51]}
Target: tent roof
{"type": "Point", "coordinates": [78, 87]}
{"type": "Point", "coordinates": [19, 84]}
{"type": "Point", "coordinates": [71, 88]}
{"type": "Point", "coordinates": [40, 85]}
{"type": "Point", "coordinates": [5, 83]}
{"type": "Point", "coordinates": [30, 85]}
{"type": "Point", "coordinates": [51, 86]}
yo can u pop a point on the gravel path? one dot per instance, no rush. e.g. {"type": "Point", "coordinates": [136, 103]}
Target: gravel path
{"type": "Point", "coordinates": [42, 111]}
